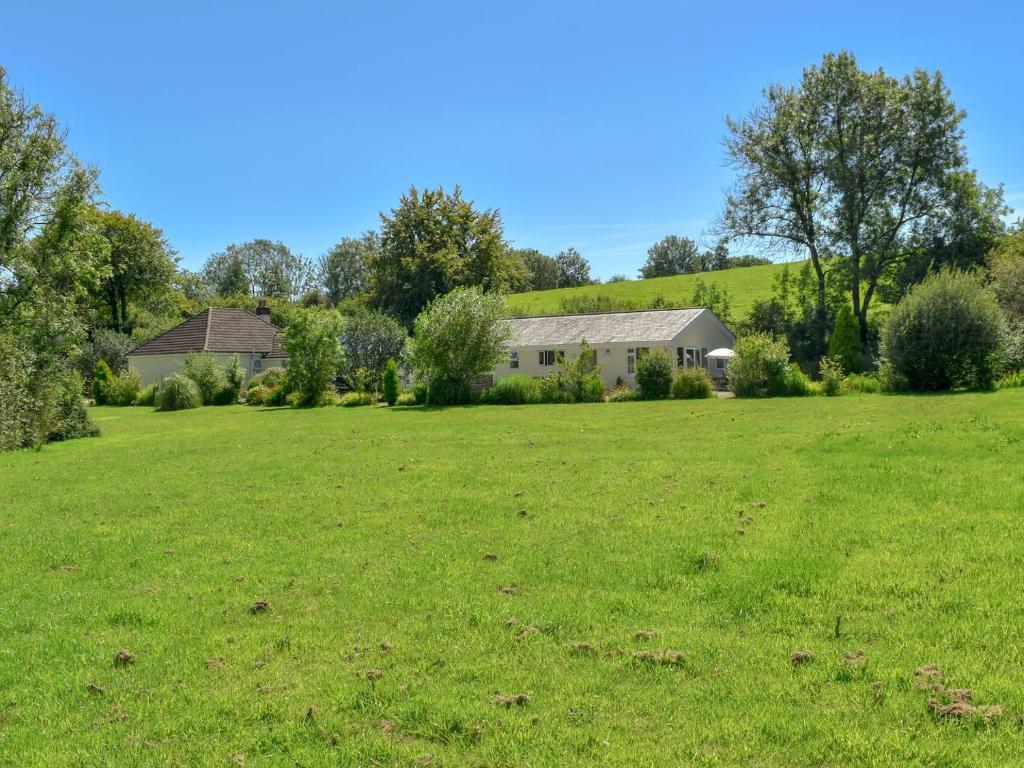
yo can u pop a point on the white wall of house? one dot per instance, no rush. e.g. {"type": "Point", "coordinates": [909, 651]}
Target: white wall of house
{"type": "Point", "coordinates": [618, 360]}
{"type": "Point", "coordinates": [153, 368]}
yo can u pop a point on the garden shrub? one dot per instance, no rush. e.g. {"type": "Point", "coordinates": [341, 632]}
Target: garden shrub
{"type": "Point", "coordinates": [795, 383]}
{"type": "Point", "coordinates": [1012, 357]}
{"type": "Point", "coordinates": [623, 394]}
{"type": "Point", "coordinates": [945, 333]}
{"type": "Point", "coordinates": [445, 391]}
{"type": "Point", "coordinates": [225, 395]}
{"type": "Point", "coordinates": [278, 396]}
{"type": "Point", "coordinates": [234, 377]}
{"type": "Point", "coordinates": [123, 388]}
{"type": "Point", "coordinates": [891, 380]}
{"type": "Point", "coordinates": [691, 383]}
{"type": "Point", "coordinates": [101, 377]}
{"type": "Point", "coordinates": [354, 399]}
{"type": "Point", "coordinates": [831, 376]}
{"type": "Point", "coordinates": [269, 378]}
{"type": "Point", "coordinates": [759, 366]}
{"type": "Point", "coordinates": [146, 396]}
{"type": "Point", "coordinates": [370, 339]}
{"type": "Point", "coordinates": [844, 343]}
{"type": "Point", "coordinates": [864, 383]}
{"type": "Point", "coordinates": [406, 398]}
{"type": "Point", "coordinates": [69, 418]}
{"type": "Point", "coordinates": [179, 392]}
{"type": "Point", "coordinates": [513, 390]}
{"type": "Point", "coordinates": [420, 391]}
{"type": "Point", "coordinates": [389, 382]}
{"type": "Point", "coordinates": [654, 375]}
{"type": "Point", "coordinates": [1011, 380]}
{"type": "Point", "coordinates": [592, 389]}
{"type": "Point", "coordinates": [256, 395]}
{"type": "Point", "coordinates": [110, 346]}
{"type": "Point", "coordinates": [328, 398]}
{"type": "Point", "coordinates": [205, 370]}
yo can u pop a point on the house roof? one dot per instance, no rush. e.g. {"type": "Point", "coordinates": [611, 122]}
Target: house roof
{"type": "Point", "coordinates": [218, 329]}
{"type": "Point", "coordinates": [653, 325]}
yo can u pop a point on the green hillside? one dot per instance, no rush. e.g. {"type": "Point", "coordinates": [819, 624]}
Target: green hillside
{"type": "Point", "coordinates": [745, 285]}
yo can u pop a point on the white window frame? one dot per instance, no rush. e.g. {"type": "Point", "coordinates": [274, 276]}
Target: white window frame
{"type": "Point", "coordinates": [547, 357]}
{"type": "Point", "coordinates": [688, 357]}
{"type": "Point", "coordinates": [513, 359]}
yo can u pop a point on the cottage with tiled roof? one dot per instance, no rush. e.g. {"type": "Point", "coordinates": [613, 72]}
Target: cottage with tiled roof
{"type": "Point", "coordinates": [617, 340]}
{"type": "Point", "coordinates": [222, 331]}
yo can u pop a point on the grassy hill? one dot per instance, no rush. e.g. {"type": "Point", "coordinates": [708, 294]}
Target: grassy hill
{"type": "Point", "coordinates": [534, 585]}
{"type": "Point", "coordinates": [745, 285]}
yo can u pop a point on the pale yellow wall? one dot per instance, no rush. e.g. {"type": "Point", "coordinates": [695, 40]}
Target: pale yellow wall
{"type": "Point", "coordinates": [153, 368]}
{"type": "Point", "coordinates": [703, 332]}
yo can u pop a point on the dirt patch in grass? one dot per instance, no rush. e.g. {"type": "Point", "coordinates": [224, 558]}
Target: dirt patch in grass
{"type": "Point", "coordinates": [508, 589]}
{"type": "Point", "coordinates": [799, 658]}
{"type": "Point", "coordinates": [952, 703]}
{"type": "Point", "coordinates": [216, 663]}
{"type": "Point", "coordinates": [490, 556]}
{"type": "Point", "coordinates": [260, 606]}
{"type": "Point", "coordinates": [124, 658]}
{"type": "Point", "coordinates": [512, 699]}
{"type": "Point", "coordinates": [667, 657]}
{"type": "Point", "coordinates": [374, 674]}
{"type": "Point", "coordinates": [527, 631]}
{"type": "Point", "coordinates": [854, 658]}
{"type": "Point", "coordinates": [645, 634]}
{"type": "Point", "coordinates": [581, 648]}
{"type": "Point", "coordinates": [97, 690]}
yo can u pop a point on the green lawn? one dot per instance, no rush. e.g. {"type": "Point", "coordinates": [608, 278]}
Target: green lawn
{"type": "Point", "coordinates": [745, 286]}
{"type": "Point", "coordinates": [737, 532]}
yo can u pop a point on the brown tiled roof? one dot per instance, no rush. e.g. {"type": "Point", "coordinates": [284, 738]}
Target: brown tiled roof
{"type": "Point", "coordinates": [218, 329]}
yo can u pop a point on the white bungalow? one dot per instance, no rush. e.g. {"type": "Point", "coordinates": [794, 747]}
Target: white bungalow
{"type": "Point", "coordinates": [617, 340]}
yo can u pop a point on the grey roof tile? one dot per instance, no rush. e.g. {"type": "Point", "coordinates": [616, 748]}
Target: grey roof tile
{"type": "Point", "coordinates": [655, 325]}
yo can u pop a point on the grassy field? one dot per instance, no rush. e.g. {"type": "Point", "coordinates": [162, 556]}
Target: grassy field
{"type": "Point", "coordinates": [421, 564]}
{"type": "Point", "coordinates": [745, 286]}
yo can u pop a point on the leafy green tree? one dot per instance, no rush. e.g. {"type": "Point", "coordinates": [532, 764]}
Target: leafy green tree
{"type": "Point", "coordinates": [539, 271]}
{"type": "Point", "coordinates": [390, 382]}
{"type": "Point", "coordinates": [618, 277]}
{"type": "Point", "coordinates": [205, 370]}
{"type": "Point", "coordinates": [315, 354]}
{"type": "Point", "coordinates": [258, 268]}
{"type": "Point", "coordinates": [849, 167]}
{"type": "Point", "coordinates": [573, 269]}
{"type": "Point", "coordinates": [344, 271]}
{"type": "Point", "coordinates": [1006, 265]}
{"type": "Point", "coordinates": [139, 264]}
{"type": "Point", "coordinates": [434, 242]}
{"type": "Point", "coordinates": [456, 338]}
{"type": "Point", "coordinates": [844, 343]}
{"type": "Point", "coordinates": [945, 333]}
{"type": "Point", "coordinates": [759, 364]}
{"type": "Point", "coordinates": [370, 338]}
{"type": "Point", "coordinates": [50, 263]}
{"type": "Point", "coordinates": [671, 255]}
{"type": "Point", "coordinates": [715, 298]}
{"type": "Point", "coordinates": [107, 345]}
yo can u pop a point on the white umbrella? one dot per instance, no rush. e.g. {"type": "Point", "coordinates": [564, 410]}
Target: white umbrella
{"type": "Point", "coordinates": [721, 352]}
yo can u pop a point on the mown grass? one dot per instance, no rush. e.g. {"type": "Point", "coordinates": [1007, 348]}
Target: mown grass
{"type": "Point", "coordinates": [736, 531]}
{"type": "Point", "coordinates": [745, 285]}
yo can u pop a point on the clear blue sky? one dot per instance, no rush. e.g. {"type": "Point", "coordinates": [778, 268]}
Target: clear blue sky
{"type": "Point", "coordinates": [595, 125]}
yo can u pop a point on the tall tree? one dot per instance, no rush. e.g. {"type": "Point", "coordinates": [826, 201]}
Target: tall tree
{"type": "Point", "coordinates": [139, 264]}
{"type": "Point", "coordinates": [573, 269]}
{"type": "Point", "coordinates": [344, 271]}
{"type": "Point", "coordinates": [849, 167]}
{"type": "Point", "coordinates": [48, 265]}
{"type": "Point", "coordinates": [540, 271]}
{"type": "Point", "coordinates": [671, 255]}
{"type": "Point", "coordinates": [434, 242]}
{"type": "Point", "coordinates": [258, 268]}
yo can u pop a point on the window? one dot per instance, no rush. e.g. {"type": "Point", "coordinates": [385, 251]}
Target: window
{"type": "Point", "coordinates": [630, 361]}
{"type": "Point", "coordinates": [257, 365]}
{"type": "Point", "coordinates": [547, 357]}
{"type": "Point", "coordinates": [513, 359]}
{"type": "Point", "coordinates": [720, 364]}
{"type": "Point", "coordinates": [689, 357]}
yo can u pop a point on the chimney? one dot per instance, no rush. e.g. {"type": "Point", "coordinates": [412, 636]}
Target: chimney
{"type": "Point", "coordinates": [263, 311]}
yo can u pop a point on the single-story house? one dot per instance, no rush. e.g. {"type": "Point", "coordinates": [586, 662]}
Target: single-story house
{"type": "Point", "coordinates": [222, 331]}
{"type": "Point", "coordinates": [617, 340]}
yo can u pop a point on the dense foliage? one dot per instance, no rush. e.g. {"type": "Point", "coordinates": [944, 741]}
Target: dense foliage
{"type": "Point", "coordinates": [389, 383]}
{"type": "Point", "coordinates": [370, 339]}
{"type": "Point", "coordinates": [458, 337]}
{"type": "Point", "coordinates": [654, 375]}
{"type": "Point", "coordinates": [205, 370]}
{"type": "Point", "coordinates": [315, 354]}
{"type": "Point", "coordinates": [759, 366]}
{"type": "Point", "coordinates": [691, 383]}
{"type": "Point", "coordinates": [178, 393]}
{"type": "Point", "coordinates": [945, 333]}
{"type": "Point", "coordinates": [844, 344]}
{"type": "Point", "coordinates": [434, 242]}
